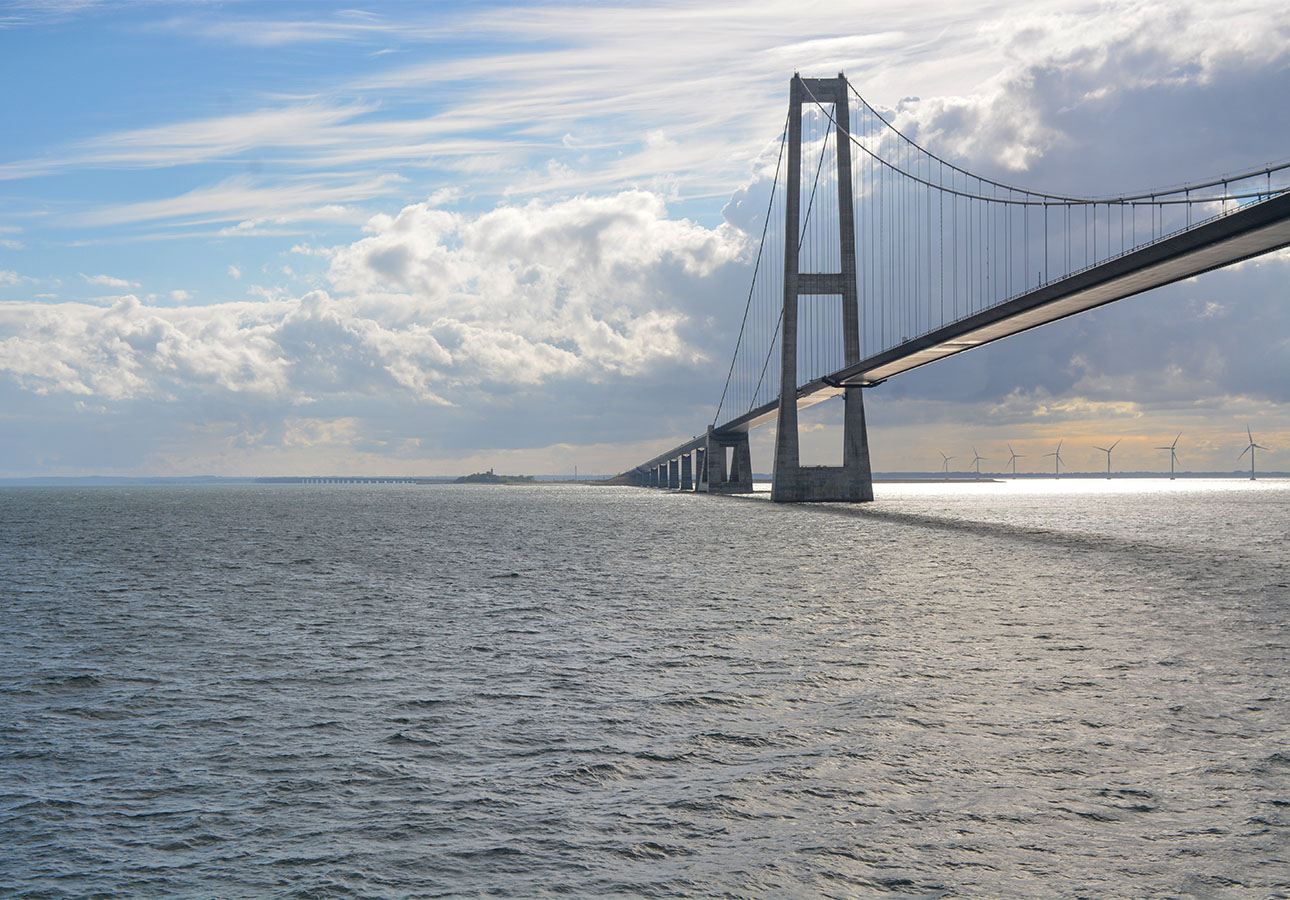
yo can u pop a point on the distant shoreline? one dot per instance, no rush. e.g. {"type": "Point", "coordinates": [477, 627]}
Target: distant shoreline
{"type": "Point", "coordinates": [879, 478]}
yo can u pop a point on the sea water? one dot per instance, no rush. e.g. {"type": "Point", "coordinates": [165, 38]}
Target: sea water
{"type": "Point", "coordinates": [1031, 689]}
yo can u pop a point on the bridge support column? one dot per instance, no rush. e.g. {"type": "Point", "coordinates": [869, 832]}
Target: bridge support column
{"type": "Point", "coordinates": [853, 480]}
{"type": "Point", "coordinates": [687, 477]}
{"type": "Point", "coordinates": [673, 474]}
{"type": "Point", "coordinates": [850, 482]}
{"type": "Point", "coordinates": [739, 479]}
{"type": "Point", "coordinates": [701, 469]}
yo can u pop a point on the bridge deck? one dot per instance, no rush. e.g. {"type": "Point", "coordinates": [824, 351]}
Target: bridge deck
{"type": "Point", "coordinates": [1251, 231]}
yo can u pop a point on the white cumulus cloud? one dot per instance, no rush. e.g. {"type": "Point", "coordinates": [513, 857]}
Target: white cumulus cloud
{"type": "Point", "coordinates": [431, 302]}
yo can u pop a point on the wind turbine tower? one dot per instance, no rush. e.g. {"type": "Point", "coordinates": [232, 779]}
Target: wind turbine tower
{"type": "Point", "coordinates": [1012, 458]}
{"type": "Point", "coordinates": [1250, 448]}
{"type": "Point", "coordinates": [976, 459]}
{"type": "Point", "coordinates": [1107, 451]}
{"type": "Point", "coordinates": [1173, 455]}
{"type": "Point", "coordinates": [1057, 460]}
{"type": "Point", "coordinates": [945, 466]}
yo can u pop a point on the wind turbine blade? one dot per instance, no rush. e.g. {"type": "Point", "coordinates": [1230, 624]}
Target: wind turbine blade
{"type": "Point", "coordinates": [1243, 452]}
{"type": "Point", "coordinates": [1112, 447]}
{"type": "Point", "coordinates": [1258, 446]}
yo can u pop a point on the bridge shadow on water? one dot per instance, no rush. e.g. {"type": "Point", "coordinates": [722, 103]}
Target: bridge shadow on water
{"type": "Point", "coordinates": [1145, 549]}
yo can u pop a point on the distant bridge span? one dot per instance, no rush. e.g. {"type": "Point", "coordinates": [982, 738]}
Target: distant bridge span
{"type": "Point", "coordinates": [1245, 220]}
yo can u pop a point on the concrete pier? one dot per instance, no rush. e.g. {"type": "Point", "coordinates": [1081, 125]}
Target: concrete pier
{"type": "Point", "coordinates": [737, 479]}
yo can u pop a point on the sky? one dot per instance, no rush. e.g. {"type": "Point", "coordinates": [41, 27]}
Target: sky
{"type": "Point", "coordinates": [260, 238]}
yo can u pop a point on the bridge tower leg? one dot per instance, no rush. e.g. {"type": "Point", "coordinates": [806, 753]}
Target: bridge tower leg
{"type": "Point", "coordinates": [738, 480]}
{"type": "Point", "coordinates": [853, 480]}
{"type": "Point", "coordinates": [701, 469]}
{"type": "Point", "coordinates": [687, 478]}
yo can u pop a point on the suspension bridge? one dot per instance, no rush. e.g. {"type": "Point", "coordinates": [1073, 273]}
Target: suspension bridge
{"type": "Point", "coordinates": [893, 258]}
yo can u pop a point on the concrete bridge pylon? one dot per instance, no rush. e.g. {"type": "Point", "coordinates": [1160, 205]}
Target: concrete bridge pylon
{"type": "Point", "coordinates": [853, 480]}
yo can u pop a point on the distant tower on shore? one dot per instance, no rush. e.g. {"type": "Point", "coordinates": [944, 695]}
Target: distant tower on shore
{"type": "Point", "coordinates": [1107, 451]}
{"type": "Point", "coordinates": [1012, 458]}
{"type": "Point", "coordinates": [1173, 455]}
{"type": "Point", "coordinates": [1250, 448]}
{"type": "Point", "coordinates": [1057, 460]}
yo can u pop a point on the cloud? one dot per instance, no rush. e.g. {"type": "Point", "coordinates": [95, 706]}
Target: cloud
{"type": "Point", "coordinates": [193, 141]}
{"type": "Point", "coordinates": [350, 25]}
{"type": "Point", "coordinates": [576, 285]}
{"type": "Point", "coordinates": [549, 293]}
{"type": "Point", "coordinates": [563, 101]}
{"type": "Point", "coordinates": [1133, 71]}
{"type": "Point", "coordinates": [130, 350]}
{"type": "Point", "coordinates": [241, 198]}
{"type": "Point", "coordinates": [109, 281]}
{"type": "Point", "coordinates": [430, 305]}
{"type": "Point", "coordinates": [21, 13]}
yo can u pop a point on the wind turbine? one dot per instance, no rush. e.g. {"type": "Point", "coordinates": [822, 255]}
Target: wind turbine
{"type": "Point", "coordinates": [1107, 451]}
{"type": "Point", "coordinates": [1173, 455]}
{"type": "Point", "coordinates": [976, 459]}
{"type": "Point", "coordinates": [1250, 450]}
{"type": "Point", "coordinates": [1012, 458]}
{"type": "Point", "coordinates": [945, 466]}
{"type": "Point", "coordinates": [1057, 460]}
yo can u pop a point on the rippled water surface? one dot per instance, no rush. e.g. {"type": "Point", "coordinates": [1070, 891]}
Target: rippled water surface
{"type": "Point", "coordinates": [1074, 689]}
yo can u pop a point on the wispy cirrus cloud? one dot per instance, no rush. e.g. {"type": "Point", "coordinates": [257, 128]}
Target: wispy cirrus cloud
{"type": "Point", "coordinates": [242, 198]}
{"type": "Point", "coordinates": [671, 96]}
{"type": "Point", "coordinates": [346, 26]}
{"type": "Point", "coordinates": [296, 126]}
{"type": "Point", "coordinates": [20, 13]}
{"type": "Point", "coordinates": [109, 281]}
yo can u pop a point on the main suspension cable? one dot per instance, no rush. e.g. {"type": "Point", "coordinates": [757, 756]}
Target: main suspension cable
{"type": "Point", "coordinates": [756, 267]}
